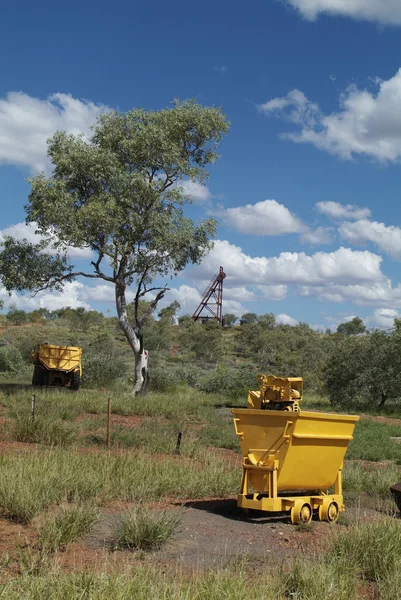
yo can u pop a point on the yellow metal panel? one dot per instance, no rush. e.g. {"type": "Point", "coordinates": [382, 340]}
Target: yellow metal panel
{"type": "Point", "coordinates": [62, 358]}
{"type": "Point", "coordinates": [309, 447]}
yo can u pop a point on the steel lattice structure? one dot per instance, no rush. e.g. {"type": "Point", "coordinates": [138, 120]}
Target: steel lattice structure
{"type": "Point", "coordinates": [212, 301]}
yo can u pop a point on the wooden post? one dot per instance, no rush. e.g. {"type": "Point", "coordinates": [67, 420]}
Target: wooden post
{"type": "Point", "coordinates": [108, 421]}
{"type": "Point", "coordinates": [33, 407]}
{"type": "Point", "coordinates": [178, 445]}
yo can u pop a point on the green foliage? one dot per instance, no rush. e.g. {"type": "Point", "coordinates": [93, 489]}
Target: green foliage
{"type": "Point", "coordinates": [102, 363]}
{"type": "Point", "coordinates": [235, 383]}
{"type": "Point", "coordinates": [170, 312]}
{"type": "Point", "coordinates": [204, 341]}
{"type": "Point", "coordinates": [143, 529]}
{"type": "Point", "coordinates": [248, 318]}
{"type": "Point", "coordinates": [364, 370]}
{"type": "Point", "coordinates": [10, 359]}
{"type": "Point", "coordinates": [285, 350]}
{"type": "Point", "coordinates": [353, 327]}
{"type": "Point", "coordinates": [161, 379]}
{"type": "Point", "coordinates": [66, 526]}
{"type": "Point", "coordinates": [229, 319]}
{"type": "Point", "coordinates": [17, 317]}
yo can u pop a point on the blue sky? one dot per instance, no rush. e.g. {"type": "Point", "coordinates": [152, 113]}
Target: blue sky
{"type": "Point", "coordinates": [307, 188]}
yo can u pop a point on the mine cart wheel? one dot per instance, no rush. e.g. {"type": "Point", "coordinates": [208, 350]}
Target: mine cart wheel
{"type": "Point", "coordinates": [329, 512]}
{"type": "Point", "coordinates": [301, 513]}
{"type": "Point", "coordinates": [333, 512]}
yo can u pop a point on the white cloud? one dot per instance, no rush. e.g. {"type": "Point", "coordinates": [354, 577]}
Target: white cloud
{"type": "Point", "coordinates": [368, 123]}
{"type": "Point", "coordinates": [320, 236]}
{"type": "Point", "coordinates": [364, 294]}
{"type": "Point", "coordinates": [69, 296]}
{"type": "Point", "coordinates": [267, 217]}
{"type": "Point", "coordinates": [26, 123]}
{"type": "Point", "coordinates": [221, 69]}
{"type": "Point", "coordinates": [343, 266]}
{"type": "Point", "coordinates": [338, 211]}
{"type": "Point", "coordinates": [383, 318]}
{"type": "Point", "coordinates": [257, 294]}
{"type": "Point", "coordinates": [284, 319]}
{"type": "Point", "coordinates": [272, 292]}
{"type": "Point", "coordinates": [196, 191]}
{"type": "Point", "coordinates": [26, 231]}
{"type": "Point", "coordinates": [386, 238]}
{"type": "Point", "coordinates": [387, 12]}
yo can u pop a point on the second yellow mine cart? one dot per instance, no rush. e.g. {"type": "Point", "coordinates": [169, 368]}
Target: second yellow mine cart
{"type": "Point", "coordinates": [292, 459]}
{"type": "Point", "coordinates": [57, 365]}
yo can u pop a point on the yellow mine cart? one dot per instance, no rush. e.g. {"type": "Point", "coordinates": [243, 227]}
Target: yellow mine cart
{"type": "Point", "coordinates": [291, 458]}
{"type": "Point", "coordinates": [57, 365]}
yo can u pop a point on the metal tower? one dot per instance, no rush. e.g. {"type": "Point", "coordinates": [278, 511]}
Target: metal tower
{"type": "Point", "coordinates": [212, 300]}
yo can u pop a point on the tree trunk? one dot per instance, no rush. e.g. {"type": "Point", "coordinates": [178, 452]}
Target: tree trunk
{"type": "Point", "coordinates": [383, 400]}
{"type": "Point", "coordinates": [135, 341]}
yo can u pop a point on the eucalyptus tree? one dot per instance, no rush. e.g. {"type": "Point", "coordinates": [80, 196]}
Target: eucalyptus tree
{"type": "Point", "coordinates": [120, 195]}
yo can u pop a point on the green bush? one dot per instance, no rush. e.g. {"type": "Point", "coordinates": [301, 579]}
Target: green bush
{"type": "Point", "coordinates": [102, 364]}
{"type": "Point", "coordinates": [235, 383]}
{"type": "Point", "coordinates": [161, 379]}
{"type": "Point", "coordinates": [10, 360]}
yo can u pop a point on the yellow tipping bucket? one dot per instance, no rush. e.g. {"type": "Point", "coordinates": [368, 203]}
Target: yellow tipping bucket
{"type": "Point", "coordinates": [306, 448]}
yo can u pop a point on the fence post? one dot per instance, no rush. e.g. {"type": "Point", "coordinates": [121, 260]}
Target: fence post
{"type": "Point", "coordinates": [33, 401]}
{"type": "Point", "coordinates": [178, 445]}
{"type": "Point", "coordinates": [108, 421]}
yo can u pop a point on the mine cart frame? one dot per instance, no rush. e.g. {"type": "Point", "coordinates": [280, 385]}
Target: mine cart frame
{"type": "Point", "coordinates": [325, 505]}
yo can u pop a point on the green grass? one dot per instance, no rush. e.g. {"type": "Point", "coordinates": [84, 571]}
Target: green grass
{"type": "Point", "coordinates": [373, 550]}
{"type": "Point", "coordinates": [31, 483]}
{"type": "Point", "coordinates": [143, 529]}
{"type": "Point", "coordinates": [372, 441]}
{"type": "Point", "coordinates": [68, 525]}
{"type": "Point", "coordinates": [42, 430]}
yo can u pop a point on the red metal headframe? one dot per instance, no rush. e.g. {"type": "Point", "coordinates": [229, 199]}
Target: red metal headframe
{"type": "Point", "coordinates": [212, 300]}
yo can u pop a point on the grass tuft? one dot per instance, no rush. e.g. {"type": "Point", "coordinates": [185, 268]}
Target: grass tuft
{"type": "Point", "coordinates": [143, 529]}
{"type": "Point", "coordinates": [68, 525]}
{"type": "Point", "coordinates": [42, 431]}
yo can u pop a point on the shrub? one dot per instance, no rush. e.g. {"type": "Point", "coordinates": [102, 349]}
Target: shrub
{"type": "Point", "coordinates": [161, 379]}
{"type": "Point", "coordinates": [101, 364]}
{"type": "Point", "coordinates": [143, 529]}
{"type": "Point", "coordinates": [10, 360]}
{"type": "Point", "coordinates": [233, 382]}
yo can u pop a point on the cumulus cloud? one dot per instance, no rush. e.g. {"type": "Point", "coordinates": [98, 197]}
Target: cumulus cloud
{"type": "Point", "coordinates": [383, 318]}
{"type": "Point", "coordinates": [338, 211]}
{"type": "Point", "coordinates": [267, 217]}
{"type": "Point", "coordinates": [26, 123]}
{"type": "Point", "coordinates": [387, 12]}
{"type": "Point", "coordinates": [196, 191]}
{"type": "Point", "coordinates": [367, 123]}
{"type": "Point", "coordinates": [343, 266]}
{"type": "Point", "coordinates": [69, 296]}
{"type": "Point", "coordinates": [284, 319]}
{"type": "Point", "coordinates": [386, 238]}
{"type": "Point", "coordinates": [26, 231]}
{"type": "Point", "coordinates": [319, 236]}
{"type": "Point", "coordinates": [380, 293]}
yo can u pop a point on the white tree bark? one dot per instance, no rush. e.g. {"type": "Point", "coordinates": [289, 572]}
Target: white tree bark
{"type": "Point", "coordinates": [141, 376]}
